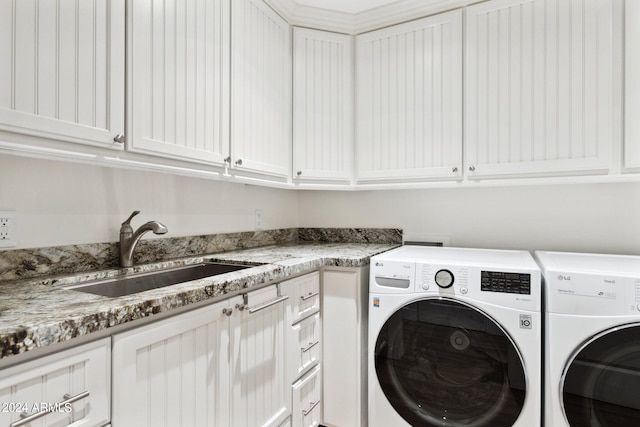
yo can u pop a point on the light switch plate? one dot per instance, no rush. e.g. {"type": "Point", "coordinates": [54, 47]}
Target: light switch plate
{"type": "Point", "coordinates": [258, 219]}
{"type": "Point", "coordinates": [7, 229]}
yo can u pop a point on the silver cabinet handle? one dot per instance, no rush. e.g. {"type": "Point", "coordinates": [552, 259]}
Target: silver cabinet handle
{"type": "Point", "coordinates": [227, 311]}
{"type": "Point", "coordinates": [311, 345]}
{"type": "Point", "coordinates": [310, 295]}
{"type": "Point", "coordinates": [239, 162]}
{"type": "Point", "coordinates": [268, 304]}
{"type": "Point", "coordinates": [306, 412]}
{"type": "Point", "coordinates": [26, 419]}
{"type": "Point", "coordinates": [119, 138]}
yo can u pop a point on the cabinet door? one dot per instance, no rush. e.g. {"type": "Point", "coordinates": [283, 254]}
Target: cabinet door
{"type": "Point", "coordinates": [632, 84]}
{"type": "Point", "coordinates": [74, 385]}
{"type": "Point", "coordinates": [409, 100]}
{"type": "Point", "coordinates": [261, 90]}
{"type": "Point", "coordinates": [307, 404]}
{"type": "Point", "coordinates": [304, 296]}
{"type": "Point", "coordinates": [322, 105]}
{"type": "Point", "coordinates": [179, 72]}
{"type": "Point", "coordinates": [62, 70]}
{"type": "Point", "coordinates": [538, 89]}
{"type": "Point", "coordinates": [261, 394]}
{"type": "Point", "coordinates": [174, 372]}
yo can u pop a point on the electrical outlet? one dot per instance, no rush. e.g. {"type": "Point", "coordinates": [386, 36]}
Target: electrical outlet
{"type": "Point", "coordinates": [258, 219]}
{"type": "Point", "coordinates": [7, 229]}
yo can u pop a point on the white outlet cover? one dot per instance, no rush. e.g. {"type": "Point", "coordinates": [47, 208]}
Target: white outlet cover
{"type": "Point", "coordinates": [7, 229]}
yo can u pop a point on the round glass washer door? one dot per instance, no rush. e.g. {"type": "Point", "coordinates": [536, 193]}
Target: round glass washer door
{"type": "Point", "coordinates": [445, 363]}
{"type": "Point", "coordinates": [601, 386]}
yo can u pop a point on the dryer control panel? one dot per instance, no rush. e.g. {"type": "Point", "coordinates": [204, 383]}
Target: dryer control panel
{"type": "Point", "coordinates": [499, 281]}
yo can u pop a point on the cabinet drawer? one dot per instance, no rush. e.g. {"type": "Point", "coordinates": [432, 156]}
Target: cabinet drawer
{"type": "Point", "coordinates": [306, 348]}
{"type": "Point", "coordinates": [304, 293]}
{"type": "Point", "coordinates": [73, 386]}
{"type": "Point", "coordinates": [307, 406]}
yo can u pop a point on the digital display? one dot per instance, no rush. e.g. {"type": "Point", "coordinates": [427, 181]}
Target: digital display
{"type": "Point", "coordinates": [509, 283]}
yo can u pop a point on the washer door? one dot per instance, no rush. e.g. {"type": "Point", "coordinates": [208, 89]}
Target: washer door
{"type": "Point", "coordinates": [602, 382]}
{"type": "Point", "coordinates": [445, 363]}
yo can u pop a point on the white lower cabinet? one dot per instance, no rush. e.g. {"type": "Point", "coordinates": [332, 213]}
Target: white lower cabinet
{"type": "Point", "coordinates": [69, 388]}
{"type": "Point", "coordinates": [304, 348]}
{"type": "Point", "coordinates": [344, 337]}
{"type": "Point", "coordinates": [222, 365]}
{"type": "Point", "coordinates": [307, 399]}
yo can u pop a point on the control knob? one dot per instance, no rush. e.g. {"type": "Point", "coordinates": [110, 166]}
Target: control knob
{"type": "Point", "coordinates": [444, 278]}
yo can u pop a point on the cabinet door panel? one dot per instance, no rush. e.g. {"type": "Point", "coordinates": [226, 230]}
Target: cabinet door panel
{"type": "Point", "coordinates": [62, 73]}
{"type": "Point", "coordinates": [632, 85]}
{"type": "Point", "coordinates": [180, 80]}
{"type": "Point", "coordinates": [261, 90]}
{"type": "Point", "coordinates": [538, 89]}
{"type": "Point", "coordinates": [322, 105]}
{"type": "Point", "coordinates": [46, 382]}
{"type": "Point", "coordinates": [261, 393]}
{"type": "Point", "coordinates": [174, 372]}
{"type": "Point", "coordinates": [409, 100]}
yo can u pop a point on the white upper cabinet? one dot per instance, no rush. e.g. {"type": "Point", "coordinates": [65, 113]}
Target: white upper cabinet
{"type": "Point", "coordinates": [632, 84]}
{"type": "Point", "coordinates": [538, 87]}
{"type": "Point", "coordinates": [62, 70]}
{"type": "Point", "coordinates": [322, 105]}
{"type": "Point", "coordinates": [260, 90]}
{"type": "Point", "coordinates": [179, 79]}
{"type": "Point", "coordinates": [409, 100]}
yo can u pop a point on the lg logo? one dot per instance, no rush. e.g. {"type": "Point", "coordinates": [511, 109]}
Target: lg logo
{"type": "Point", "coordinates": [561, 277]}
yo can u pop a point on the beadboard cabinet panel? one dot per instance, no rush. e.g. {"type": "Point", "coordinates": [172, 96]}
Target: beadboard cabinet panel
{"type": "Point", "coordinates": [81, 375]}
{"type": "Point", "coordinates": [539, 87]}
{"type": "Point", "coordinates": [174, 372]}
{"type": "Point", "coordinates": [409, 100]}
{"type": "Point", "coordinates": [261, 394]}
{"type": "Point", "coordinates": [322, 105]}
{"type": "Point", "coordinates": [261, 90]}
{"type": "Point", "coordinates": [62, 70]}
{"type": "Point", "coordinates": [179, 72]}
{"type": "Point", "coordinates": [632, 84]}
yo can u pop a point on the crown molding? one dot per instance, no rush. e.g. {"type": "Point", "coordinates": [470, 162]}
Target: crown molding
{"type": "Point", "coordinates": [383, 16]}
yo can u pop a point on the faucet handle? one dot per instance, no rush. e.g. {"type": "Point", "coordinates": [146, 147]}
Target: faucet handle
{"type": "Point", "coordinates": [127, 222]}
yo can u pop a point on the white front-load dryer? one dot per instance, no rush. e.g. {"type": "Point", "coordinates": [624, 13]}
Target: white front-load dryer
{"type": "Point", "coordinates": [592, 339]}
{"type": "Point", "coordinates": [454, 338]}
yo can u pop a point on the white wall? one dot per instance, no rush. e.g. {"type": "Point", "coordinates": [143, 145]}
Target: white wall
{"type": "Point", "coordinates": [60, 203]}
{"type": "Point", "coordinates": [574, 217]}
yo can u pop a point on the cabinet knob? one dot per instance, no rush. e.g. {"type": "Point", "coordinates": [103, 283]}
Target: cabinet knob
{"type": "Point", "coordinates": [119, 138]}
{"type": "Point", "coordinates": [299, 173]}
{"type": "Point", "coordinates": [227, 311]}
{"type": "Point", "coordinates": [239, 162]}
{"type": "Point", "coordinates": [472, 168]}
{"type": "Point", "coordinates": [454, 169]}
{"type": "Point", "coordinates": [227, 159]}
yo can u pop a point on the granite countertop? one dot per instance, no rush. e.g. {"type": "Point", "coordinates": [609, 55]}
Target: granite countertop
{"type": "Point", "coordinates": [38, 312]}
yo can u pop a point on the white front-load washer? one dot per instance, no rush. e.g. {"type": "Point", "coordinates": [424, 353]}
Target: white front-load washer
{"type": "Point", "coordinates": [455, 338]}
{"type": "Point", "coordinates": [592, 339]}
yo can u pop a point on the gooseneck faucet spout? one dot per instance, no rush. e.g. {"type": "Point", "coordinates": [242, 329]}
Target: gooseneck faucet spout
{"type": "Point", "coordinates": [129, 238]}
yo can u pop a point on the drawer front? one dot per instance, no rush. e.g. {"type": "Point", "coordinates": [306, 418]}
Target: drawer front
{"type": "Point", "coordinates": [306, 349]}
{"type": "Point", "coordinates": [307, 406]}
{"type": "Point", "coordinates": [304, 292]}
{"type": "Point", "coordinates": [67, 388]}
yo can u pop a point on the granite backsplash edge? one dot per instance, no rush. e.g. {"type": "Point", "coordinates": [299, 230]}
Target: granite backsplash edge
{"type": "Point", "coordinates": [20, 264]}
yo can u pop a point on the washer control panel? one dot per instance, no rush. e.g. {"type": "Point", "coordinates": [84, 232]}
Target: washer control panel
{"type": "Point", "coordinates": [511, 283]}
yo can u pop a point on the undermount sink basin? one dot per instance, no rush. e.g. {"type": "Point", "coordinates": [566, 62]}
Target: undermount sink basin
{"type": "Point", "coordinates": [141, 282]}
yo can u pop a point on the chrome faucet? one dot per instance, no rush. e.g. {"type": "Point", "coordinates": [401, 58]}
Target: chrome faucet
{"type": "Point", "coordinates": [129, 239]}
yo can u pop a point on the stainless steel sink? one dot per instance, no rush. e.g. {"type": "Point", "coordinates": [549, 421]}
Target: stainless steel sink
{"type": "Point", "coordinates": [141, 282]}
